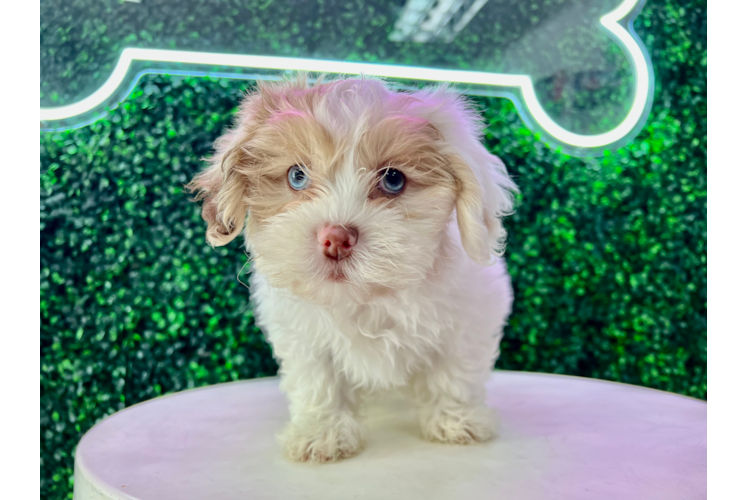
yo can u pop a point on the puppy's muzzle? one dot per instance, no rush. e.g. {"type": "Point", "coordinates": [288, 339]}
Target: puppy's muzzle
{"type": "Point", "coordinates": [337, 242]}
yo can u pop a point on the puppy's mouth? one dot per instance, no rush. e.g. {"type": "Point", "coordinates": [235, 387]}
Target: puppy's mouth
{"type": "Point", "coordinates": [337, 272]}
{"type": "Point", "coordinates": [337, 277]}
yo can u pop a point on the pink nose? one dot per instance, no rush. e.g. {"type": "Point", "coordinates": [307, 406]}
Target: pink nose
{"type": "Point", "coordinates": [337, 242]}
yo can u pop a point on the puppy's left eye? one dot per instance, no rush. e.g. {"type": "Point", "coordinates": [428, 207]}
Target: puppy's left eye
{"type": "Point", "coordinates": [392, 182]}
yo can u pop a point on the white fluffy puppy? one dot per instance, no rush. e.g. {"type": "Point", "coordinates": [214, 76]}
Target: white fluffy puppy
{"type": "Point", "coordinates": [373, 218]}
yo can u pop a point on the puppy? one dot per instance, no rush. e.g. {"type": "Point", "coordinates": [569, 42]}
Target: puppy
{"type": "Point", "coordinates": [373, 219]}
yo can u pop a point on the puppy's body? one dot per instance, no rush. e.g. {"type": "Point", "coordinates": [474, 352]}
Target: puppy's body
{"type": "Point", "coordinates": [440, 337]}
{"type": "Point", "coordinates": [457, 315]}
{"type": "Point", "coordinates": [413, 298]}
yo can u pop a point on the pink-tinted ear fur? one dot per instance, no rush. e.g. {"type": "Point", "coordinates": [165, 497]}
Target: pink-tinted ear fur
{"type": "Point", "coordinates": [484, 190]}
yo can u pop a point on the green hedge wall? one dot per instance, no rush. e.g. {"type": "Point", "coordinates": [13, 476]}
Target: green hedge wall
{"type": "Point", "coordinates": [607, 255]}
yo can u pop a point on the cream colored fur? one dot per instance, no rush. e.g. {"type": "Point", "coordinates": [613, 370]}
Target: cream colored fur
{"type": "Point", "coordinates": [425, 294]}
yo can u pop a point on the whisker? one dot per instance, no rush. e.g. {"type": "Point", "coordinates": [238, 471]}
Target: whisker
{"type": "Point", "coordinates": [249, 259]}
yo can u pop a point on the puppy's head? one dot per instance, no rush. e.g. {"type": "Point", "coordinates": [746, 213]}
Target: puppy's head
{"type": "Point", "coordinates": [346, 188]}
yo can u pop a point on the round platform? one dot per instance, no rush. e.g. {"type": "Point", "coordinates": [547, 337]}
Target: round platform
{"type": "Point", "coordinates": [561, 438]}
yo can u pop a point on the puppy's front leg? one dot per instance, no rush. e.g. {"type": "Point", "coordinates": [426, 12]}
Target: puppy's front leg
{"type": "Point", "coordinates": [452, 405]}
{"type": "Point", "coordinates": [324, 423]}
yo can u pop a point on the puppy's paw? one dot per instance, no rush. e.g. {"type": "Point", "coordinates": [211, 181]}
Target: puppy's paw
{"type": "Point", "coordinates": [317, 442]}
{"type": "Point", "coordinates": [462, 425]}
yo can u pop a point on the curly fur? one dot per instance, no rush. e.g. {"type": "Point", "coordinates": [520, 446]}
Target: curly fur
{"type": "Point", "coordinates": [425, 293]}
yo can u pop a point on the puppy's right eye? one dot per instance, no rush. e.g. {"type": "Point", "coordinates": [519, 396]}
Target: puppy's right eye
{"type": "Point", "coordinates": [297, 178]}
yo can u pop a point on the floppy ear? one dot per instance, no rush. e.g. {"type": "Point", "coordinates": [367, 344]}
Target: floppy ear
{"type": "Point", "coordinates": [223, 190]}
{"type": "Point", "coordinates": [480, 207]}
{"type": "Point", "coordinates": [225, 184]}
{"type": "Point", "coordinates": [483, 189]}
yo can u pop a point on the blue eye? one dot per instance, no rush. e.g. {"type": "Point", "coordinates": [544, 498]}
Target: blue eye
{"type": "Point", "coordinates": [297, 178]}
{"type": "Point", "coordinates": [392, 182]}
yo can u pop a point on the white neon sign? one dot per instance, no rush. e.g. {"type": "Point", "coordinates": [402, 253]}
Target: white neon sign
{"type": "Point", "coordinates": [610, 22]}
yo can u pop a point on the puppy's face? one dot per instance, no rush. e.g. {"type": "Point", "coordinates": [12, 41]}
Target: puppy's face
{"type": "Point", "coordinates": [347, 187]}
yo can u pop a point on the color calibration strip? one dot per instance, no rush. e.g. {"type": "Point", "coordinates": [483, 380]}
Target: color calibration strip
{"type": "Point", "coordinates": [712, 210]}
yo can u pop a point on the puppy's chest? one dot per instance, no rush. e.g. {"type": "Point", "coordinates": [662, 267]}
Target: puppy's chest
{"type": "Point", "coordinates": [380, 349]}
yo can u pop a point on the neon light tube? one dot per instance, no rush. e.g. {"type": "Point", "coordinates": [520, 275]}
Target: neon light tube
{"type": "Point", "coordinates": [610, 22]}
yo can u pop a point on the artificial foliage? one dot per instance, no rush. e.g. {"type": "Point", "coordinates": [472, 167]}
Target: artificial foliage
{"type": "Point", "coordinates": [607, 255]}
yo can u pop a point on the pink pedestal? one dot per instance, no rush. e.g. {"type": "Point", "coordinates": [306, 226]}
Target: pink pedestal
{"type": "Point", "coordinates": [561, 438]}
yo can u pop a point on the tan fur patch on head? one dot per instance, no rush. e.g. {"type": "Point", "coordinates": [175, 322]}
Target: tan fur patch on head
{"type": "Point", "coordinates": [285, 139]}
{"type": "Point", "coordinates": [410, 145]}
{"type": "Point", "coordinates": [277, 128]}
{"type": "Point", "coordinates": [354, 126]}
